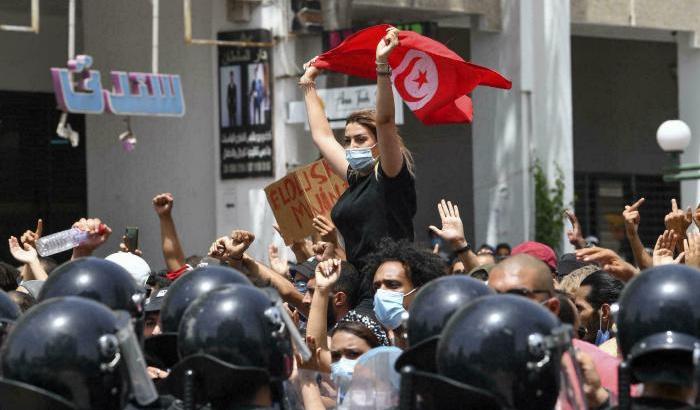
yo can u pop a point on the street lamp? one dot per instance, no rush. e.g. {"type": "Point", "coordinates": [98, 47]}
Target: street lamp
{"type": "Point", "coordinates": [673, 137]}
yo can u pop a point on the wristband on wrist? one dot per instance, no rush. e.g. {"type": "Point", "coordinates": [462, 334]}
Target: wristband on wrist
{"type": "Point", "coordinates": [465, 248]}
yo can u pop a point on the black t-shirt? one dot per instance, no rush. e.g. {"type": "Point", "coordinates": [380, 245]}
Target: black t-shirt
{"type": "Point", "coordinates": [373, 207]}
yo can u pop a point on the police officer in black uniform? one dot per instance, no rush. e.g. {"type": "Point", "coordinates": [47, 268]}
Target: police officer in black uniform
{"type": "Point", "coordinates": [658, 320]}
{"type": "Point", "coordinates": [161, 349]}
{"type": "Point", "coordinates": [72, 353]}
{"type": "Point", "coordinates": [499, 352]}
{"type": "Point", "coordinates": [236, 351]}
{"type": "Point", "coordinates": [429, 312]}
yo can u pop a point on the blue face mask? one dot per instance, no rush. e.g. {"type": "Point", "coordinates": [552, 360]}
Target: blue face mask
{"type": "Point", "coordinates": [341, 375]}
{"type": "Point", "coordinates": [603, 335]}
{"type": "Point", "coordinates": [388, 307]}
{"type": "Point", "coordinates": [360, 159]}
{"type": "Point", "coordinates": [342, 368]}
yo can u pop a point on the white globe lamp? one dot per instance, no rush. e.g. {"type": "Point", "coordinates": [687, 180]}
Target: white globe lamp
{"type": "Point", "coordinates": [673, 136]}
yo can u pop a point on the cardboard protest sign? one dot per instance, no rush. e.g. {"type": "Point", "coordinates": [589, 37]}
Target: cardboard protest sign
{"type": "Point", "coordinates": [300, 196]}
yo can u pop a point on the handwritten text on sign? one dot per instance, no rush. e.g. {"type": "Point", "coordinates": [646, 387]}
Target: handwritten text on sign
{"type": "Point", "coordinates": [147, 94]}
{"type": "Point", "coordinates": [297, 198]}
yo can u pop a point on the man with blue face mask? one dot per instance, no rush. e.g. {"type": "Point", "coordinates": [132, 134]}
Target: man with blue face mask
{"type": "Point", "coordinates": [597, 292]}
{"type": "Point", "coordinates": [398, 270]}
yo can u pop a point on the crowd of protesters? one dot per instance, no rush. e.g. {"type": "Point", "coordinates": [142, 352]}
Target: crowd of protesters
{"type": "Point", "coordinates": [363, 318]}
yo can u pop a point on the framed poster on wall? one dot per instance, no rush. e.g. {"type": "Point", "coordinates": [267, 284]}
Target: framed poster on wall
{"type": "Point", "coordinates": [245, 107]}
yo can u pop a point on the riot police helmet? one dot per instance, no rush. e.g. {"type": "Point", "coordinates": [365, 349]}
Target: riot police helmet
{"type": "Point", "coordinates": [97, 279]}
{"type": "Point", "coordinates": [433, 306]}
{"type": "Point", "coordinates": [232, 340]}
{"type": "Point", "coordinates": [162, 349]}
{"type": "Point", "coordinates": [658, 321]}
{"type": "Point", "coordinates": [73, 353]}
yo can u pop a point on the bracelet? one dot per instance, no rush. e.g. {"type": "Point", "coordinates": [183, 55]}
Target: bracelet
{"type": "Point", "coordinates": [464, 248]}
{"type": "Point", "coordinates": [311, 84]}
{"type": "Point", "coordinates": [383, 68]}
{"type": "Point", "coordinates": [386, 72]}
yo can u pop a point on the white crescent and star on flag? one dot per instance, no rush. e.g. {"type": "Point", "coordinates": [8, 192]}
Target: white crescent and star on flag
{"type": "Point", "coordinates": [416, 79]}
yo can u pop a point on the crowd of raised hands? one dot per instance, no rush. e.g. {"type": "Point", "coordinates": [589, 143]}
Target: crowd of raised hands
{"type": "Point", "coordinates": [676, 244]}
{"type": "Point", "coordinates": [311, 297]}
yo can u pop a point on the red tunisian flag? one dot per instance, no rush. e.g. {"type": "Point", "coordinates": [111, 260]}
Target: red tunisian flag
{"type": "Point", "coordinates": [432, 79]}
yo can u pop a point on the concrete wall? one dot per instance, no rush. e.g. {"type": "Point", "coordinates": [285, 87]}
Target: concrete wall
{"type": "Point", "coordinates": [531, 121]}
{"type": "Point", "coordinates": [241, 203]}
{"type": "Point", "coordinates": [621, 96]}
{"type": "Point", "coordinates": [443, 156]}
{"type": "Point", "coordinates": [25, 57]}
{"type": "Point", "coordinates": [172, 155]}
{"type": "Point", "coordinates": [688, 105]}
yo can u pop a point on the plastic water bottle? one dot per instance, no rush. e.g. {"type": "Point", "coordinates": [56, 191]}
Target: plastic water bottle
{"type": "Point", "coordinates": [60, 241]}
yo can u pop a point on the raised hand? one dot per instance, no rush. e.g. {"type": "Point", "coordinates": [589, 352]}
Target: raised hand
{"type": "Point", "coordinates": [691, 245]}
{"type": "Point", "coordinates": [98, 233]}
{"type": "Point", "coordinates": [314, 362]}
{"type": "Point", "coordinates": [678, 220]}
{"type": "Point", "coordinates": [324, 250]}
{"type": "Point", "coordinates": [327, 274]}
{"type": "Point", "coordinates": [310, 73]}
{"type": "Point", "coordinates": [231, 248]}
{"type": "Point", "coordinates": [163, 204]}
{"type": "Point", "coordinates": [123, 247]}
{"type": "Point", "coordinates": [632, 217]}
{"type": "Point", "coordinates": [278, 261]}
{"type": "Point", "coordinates": [609, 260]}
{"type": "Point", "coordinates": [325, 228]}
{"type": "Point", "coordinates": [26, 255]}
{"type": "Point", "coordinates": [30, 237]}
{"type": "Point", "coordinates": [240, 241]}
{"type": "Point", "coordinates": [574, 234]}
{"type": "Point", "coordinates": [387, 44]}
{"type": "Point", "coordinates": [452, 230]}
{"type": "Point", "coordinates": [663, 251]}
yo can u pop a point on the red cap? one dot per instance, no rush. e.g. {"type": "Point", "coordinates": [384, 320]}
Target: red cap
{"type": "Point", "coordinates": [539, 251]}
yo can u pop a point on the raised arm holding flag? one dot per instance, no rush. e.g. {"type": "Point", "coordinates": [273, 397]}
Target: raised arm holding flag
{"type": "Point", "coordinates": [381, 198]}
{"type": "Point", "coordinates": [431, 79]}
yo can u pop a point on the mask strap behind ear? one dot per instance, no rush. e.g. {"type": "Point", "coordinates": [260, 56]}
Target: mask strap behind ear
{"type": "Point", "coordinates": [410, 291]}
